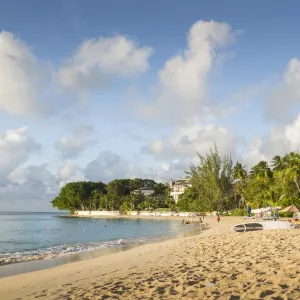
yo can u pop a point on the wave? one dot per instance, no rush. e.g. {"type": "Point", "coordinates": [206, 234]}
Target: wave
{"type": "Point", "coordinates": [63, 250]}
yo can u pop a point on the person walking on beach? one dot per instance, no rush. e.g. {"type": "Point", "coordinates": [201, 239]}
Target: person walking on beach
{"type": "Point", "coordinates": [218, 218]}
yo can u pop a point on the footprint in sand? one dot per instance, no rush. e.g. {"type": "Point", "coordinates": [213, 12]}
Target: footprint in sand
{"type": "Point", "coordinates": [263, 294]}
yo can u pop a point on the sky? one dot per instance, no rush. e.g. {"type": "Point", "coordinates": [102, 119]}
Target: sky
{"type": "Point", "coordinates": [100, 90]}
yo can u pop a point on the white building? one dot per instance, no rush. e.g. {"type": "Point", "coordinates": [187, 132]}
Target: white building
{"type": "Point", "coordinates": [178, 187]}
{"type": "Point", "coordinates": [145, 191]}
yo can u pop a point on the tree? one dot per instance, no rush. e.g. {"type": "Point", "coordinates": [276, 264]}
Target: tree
{"type": "Point", "coordinates": [186, 201]}
{"type": "Point", "coordinates": [292, 169]}
{"type": "Point", "coordinates": [136, 183]}
{"type": "Point", "coordinates": [261, 171]}
{"type": "Point", "coordinates": [127, 203]}
{"type": "Point", "coordinates": [137, 198]}
{"type": "Point", "coordinates": [240, 182]}
{"type": "Point", "coordinates": [277, 163]}
{"type": "Point", "coordinates": [287, 180]}
{"type": "Point", "coordinates": [116, 188]}
{"type": "Point", "coordinates": [78, 195]}
{"type": "Point", "coordinates": [161, 189]}
{"type": "Point", "coordinates": [105, 203]}
{"type": "Point", "coordinates": [213, 181]}
{"type": "Point", "coordinates": [170, 202]}
{"type": "Point", "coordinates": [216, 185]}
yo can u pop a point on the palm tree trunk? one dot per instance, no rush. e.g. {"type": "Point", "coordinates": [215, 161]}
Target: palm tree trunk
{"type": "Point", "coordinates": [297, 184]}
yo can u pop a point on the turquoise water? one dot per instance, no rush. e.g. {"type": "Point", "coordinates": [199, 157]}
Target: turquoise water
{"type": "Point", "coordinates": [31, 236]}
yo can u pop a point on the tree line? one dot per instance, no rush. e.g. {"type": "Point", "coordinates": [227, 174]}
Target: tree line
{"type": "Point", "coordinates": [118, 194]}
{"type": "Point", "coordinates": [220, 185]}
{"type": "Point", "coordinates": [217, 185]}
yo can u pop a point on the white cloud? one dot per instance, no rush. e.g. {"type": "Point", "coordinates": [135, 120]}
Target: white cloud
{"type": "Point", "coordinates": [182, 88]}
{"type": "Point", "coordinates": [29, 188]}
{"type": "Point", "coordinates": [292, 133]}
{"type": "Point", "coordinates": [194, 137]}
{"type": "Point", "coordinates": [284, 99]}
{"type": "Point", "coordinates": [71, 146]}
{"type": "Point", "coordinates": [280, 140]}
{"type": "Point", "coordinates": [255, 153]}
{"type": "Point", "coordinates": [66, 172]}
{"type": "Point", "coordinates": [107, 166]}
{"type": "Point", "coordinates": [22, 78]}
{"type": "Point", "coordinates": [15, 148]}
{"type": "Point", "coordinates": [35, 174]}
{"type": "Point", "coordinates": [98, 61]}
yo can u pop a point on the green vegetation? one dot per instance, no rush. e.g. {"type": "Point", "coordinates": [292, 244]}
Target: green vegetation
{"type": "Point", "coordinates": [217, 185]}
{"type": "Point", "coordinates": [116, 195]}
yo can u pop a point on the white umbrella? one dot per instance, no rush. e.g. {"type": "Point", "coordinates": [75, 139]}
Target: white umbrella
{"type": "Point", "coordinates": [292, 209]}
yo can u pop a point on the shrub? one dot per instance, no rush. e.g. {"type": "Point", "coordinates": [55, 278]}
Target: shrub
{"type": "Point", "coordinates": [163, 209]}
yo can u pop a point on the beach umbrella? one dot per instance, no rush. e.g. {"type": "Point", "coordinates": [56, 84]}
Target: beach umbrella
{"type": "Point", "coordinates": [291, 209]}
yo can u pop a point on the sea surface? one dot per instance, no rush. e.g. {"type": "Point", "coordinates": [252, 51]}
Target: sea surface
{"type": "Point", "coordinates": [36, 236]}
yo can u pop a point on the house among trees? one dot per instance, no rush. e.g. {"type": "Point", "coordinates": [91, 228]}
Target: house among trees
{"type": "Point", "coordinates": [178, 187]}
{"type": "Point", "coordinates": [146, 191]}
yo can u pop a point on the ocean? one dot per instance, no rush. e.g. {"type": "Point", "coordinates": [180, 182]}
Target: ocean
{"type": "Point", "coordinates": [36, 236]}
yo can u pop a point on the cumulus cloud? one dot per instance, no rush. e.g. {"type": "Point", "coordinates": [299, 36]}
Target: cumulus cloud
{"type": "Point", "coordinates": [72, 146]}
{"type": "Point", "coordinates": [68, 173]}
{"type": "Point", "coordinates": [29, 188]}
{"type": "Point", "coordinates": [292, 134]}
{"type": "Point", "coordinates": [107, 166]}
{"type": "Point", "coordinates": [194, 137]}
{"type": "Point", "coordinates": [280, 140]}
{"type": "Point", "coordinates": [36, 175]}
{"type": "Point", "coordinates": [182, 87]}
{"type": "Point", "coordinates": [15, 148]}
{"type": "Point", "coordinates": [97, 61]}
{"type": "Point", "coordinates": [29, 86]}
{"type": "Point", "coordinates": [255, 153]}
{"type": "Point", "coordinates": [284, 99]}
{"type": "Point", "coordinates": [22, 78]}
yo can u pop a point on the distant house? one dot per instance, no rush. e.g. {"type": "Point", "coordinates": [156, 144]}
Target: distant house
{"type": "Point", "coordinates": [145, 191]}
{"type": "Point", "coordinates": [178, 187]}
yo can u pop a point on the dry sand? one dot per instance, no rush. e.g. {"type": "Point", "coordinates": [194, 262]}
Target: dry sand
{"type": "Point", "coordinates": [216, 264]}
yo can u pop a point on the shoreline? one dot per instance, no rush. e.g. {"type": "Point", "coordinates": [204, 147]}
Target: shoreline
{"type": "Point", "coordinates": [214, 264]}
{"type": "Point", "coordinates": [26, 266]}
{"type": "Point", "coordinates": [132, 217]}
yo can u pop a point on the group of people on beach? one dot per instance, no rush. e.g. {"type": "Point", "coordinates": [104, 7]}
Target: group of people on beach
{"type": "Point", "coordinates": [201, 220]}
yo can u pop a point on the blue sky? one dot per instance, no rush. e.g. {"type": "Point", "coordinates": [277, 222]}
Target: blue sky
{"type": "Point", "coordinates": [111, 89]}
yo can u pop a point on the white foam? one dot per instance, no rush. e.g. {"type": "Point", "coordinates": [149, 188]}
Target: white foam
{"type": "Point", "coordinates": [63, 250]}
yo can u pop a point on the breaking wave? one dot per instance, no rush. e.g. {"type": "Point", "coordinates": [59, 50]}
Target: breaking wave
{"type": "Point", "coordinates": [64, 250]}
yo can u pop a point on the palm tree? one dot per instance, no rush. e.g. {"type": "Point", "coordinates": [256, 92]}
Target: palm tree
{"type": "Point", "coordinates": [261, 171]}
{"type": "Point", "coordinates": [291, 172]}
{"type": "Point", "coordinates": [239, 171]}
{"type": "Point", "coordinates": [240, 176]}
{"type": "Point", "coordinates": [278, 163]}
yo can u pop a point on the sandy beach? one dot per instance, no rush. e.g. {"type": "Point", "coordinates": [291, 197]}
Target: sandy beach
{"type": "Point", "coordinates": [215, 264]}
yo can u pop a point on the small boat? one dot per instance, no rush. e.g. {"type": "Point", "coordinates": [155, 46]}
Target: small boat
{"type": "Point", "coordinates": [269, 225]}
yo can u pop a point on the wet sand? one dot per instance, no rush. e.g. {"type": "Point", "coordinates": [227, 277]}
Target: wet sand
{"type": "Point", "coordinates": [215, 264]}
